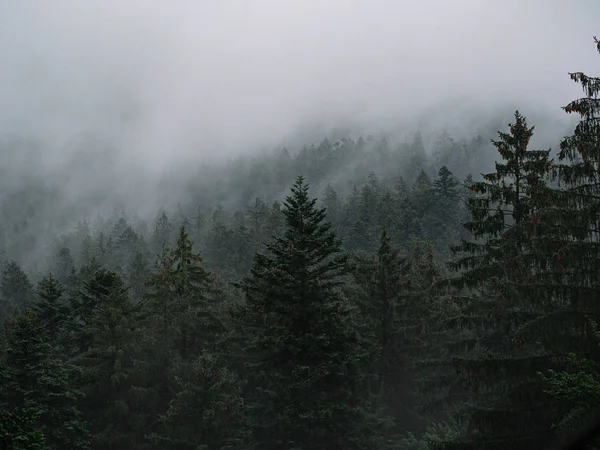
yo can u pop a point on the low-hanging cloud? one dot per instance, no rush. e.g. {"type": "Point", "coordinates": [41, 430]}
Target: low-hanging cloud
{"type": "Point", "coordinates": [168, 79]}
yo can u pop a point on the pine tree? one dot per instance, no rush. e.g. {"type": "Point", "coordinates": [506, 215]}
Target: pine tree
{"type": "Point", "coordinates": [163, 229]}
{"type": "Point", "coordinates": [19, 429]}
{"type": "Point", "coordinates": [108, 364]}
{"type": "Point", "coordinates": [206, 411]}
{"type": "Point", "coordinates": [179, 299]}
{"type": "Point", "coordinates": [65, 267]}
{"type": "Point", "coordinates": [445, 190]}
{"type": "Point", "coordinates": [421, 193]}
{"type": "Point", "coordinates": [41, 381]}
{"type": "Point", "coordinates": [16, 290]}
{"type": "Point", "coordinates": [382, 281]}
{"type": "Point", "coordinates": [569, 262]}
{"type": "Point", "coordinates": [51, 308]}
{"type": "Point", "coordinates": [275, 221]}
{"type": "Point", "coordinates": [407, 312]}
{"type": "Point", "coordinates": [441, 225]}
{"type": "Point", "coordinates": [332, 203]}
{"type": "Point", "coordinates": [497, 299]}
{"type": "Point", "coordinates": [384, 284]}
{"type": "Point", "coordinates": [308, 362]}
{"type": "Point", "coordinates": [138, 271]}
{"type": "Point", "coordinates": [180, 320]}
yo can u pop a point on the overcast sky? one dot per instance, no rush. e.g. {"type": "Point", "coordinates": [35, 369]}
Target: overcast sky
{"type": "Point", "coordinates": [229, 74]}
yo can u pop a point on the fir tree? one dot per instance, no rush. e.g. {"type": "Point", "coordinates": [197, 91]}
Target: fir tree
{"type": "Point", "coordinates": [308, 362]}
{"type": "Point", "coordinates": [497, 275]}
{"type": "Point", "coordinates": [569, 262]}
{"type": "Point", "coordinates": [178, 297]}
{"type": "Point", "coordinates": [206, 411]}
{"type": "Point", "coordinates": [107, 365]}
{"type": "Point", "coordinates": [51, 308]}
{"type": "Point", "coordinates": [180, 319]}
{"type": "Point", "coordinates": [19, 429]}
{"type": "Point", "coordinates": [15, 289]}
{"type": "Point", "coordinates": [163, 229]}
{"type": "Point", "coordinates": [39, 380]}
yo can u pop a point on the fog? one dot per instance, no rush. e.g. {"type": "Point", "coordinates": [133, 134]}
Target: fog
{"type": "Point", "coordinates": [114, 93]}
{"type": "Point", "coordinates": [168, 79]}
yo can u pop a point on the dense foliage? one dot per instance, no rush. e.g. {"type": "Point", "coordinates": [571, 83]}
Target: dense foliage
{"type": "Point", "coordinates": [414, 306]}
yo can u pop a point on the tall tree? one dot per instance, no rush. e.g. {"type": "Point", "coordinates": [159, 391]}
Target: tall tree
{"type": "Point", "coordinates": [16, 290]}
{"type": "Point", "coordinates": [107, 364]}
{"type": "Point", "coordinates": [570, 262]}
{"type": "Point", "coordinates": [163, 230]}
{"type": "Point", "coordinates": [181, 320]}
{"type": "Point", "coordinates": [497, 276]}
{"type": "Point", "coordinates": [308, 361]}
{"type": "Point", "coordinates": [19, 429]}
{"type": "Point", "coordinates": [41, 381]}
{"type": "Point", "coordinates": [51, 308]}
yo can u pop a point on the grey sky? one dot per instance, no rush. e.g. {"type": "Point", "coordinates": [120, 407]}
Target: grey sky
{"type": "Point", "coordinates": [225, 74]}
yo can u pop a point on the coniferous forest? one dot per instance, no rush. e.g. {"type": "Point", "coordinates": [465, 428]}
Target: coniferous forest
{"type": "Point", "coordinates": [413, 304]}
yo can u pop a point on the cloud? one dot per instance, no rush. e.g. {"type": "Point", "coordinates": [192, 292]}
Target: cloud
{"type": "Point", "coordinates": [201, 77]}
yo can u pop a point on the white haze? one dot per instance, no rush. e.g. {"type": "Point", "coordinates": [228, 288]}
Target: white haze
{"type": "Point", "coordinates": [163, 86]}
{"type": "Point", "coordinates": [167, 79]}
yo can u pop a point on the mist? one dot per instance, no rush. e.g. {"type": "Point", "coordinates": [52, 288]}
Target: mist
{"type": "Point", "coordinates": [116, 102]}
{"type": "Point", "coordinates": [204, 78]}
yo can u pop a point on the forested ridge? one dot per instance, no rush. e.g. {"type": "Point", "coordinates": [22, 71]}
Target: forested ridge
{"type": "Point", "coordinates": [355, 295]}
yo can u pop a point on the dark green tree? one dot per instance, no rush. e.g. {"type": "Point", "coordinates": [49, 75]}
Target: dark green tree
{"type": "Point", "coordinates": [39, 380]}
{"type": "Point", "coordinates": [162, 235]}
{"type": "Point", "coordinates": [498, 297]}
{"type": "Point", "coordinates": [308, 361]}
{"type": "Point", "coordinates": [206, 412]}
{"type": "Point", "coordinates": [569, 263]}
{"type": "Point", "coordinates": [16, 291]}
{"type": "Point", "coordinates": [107, 364]}
{"type": "Point", "coordinates": [51, 308]}
{"type": "Point", "coordinates": [19, 428]}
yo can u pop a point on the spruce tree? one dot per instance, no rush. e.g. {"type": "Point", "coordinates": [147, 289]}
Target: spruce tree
{"type": "Point", "coordinates": [16, 290]}
{"type": "Point", "coordinates": [179, 302]}
{"type": "Point", "coordinates": [205, 413]}
{"type": "Point", "coordinates": [39, 380]}
{"type": "Point", "coordinates": [570, 262]}
{"type": "Point", "coordinates": [180, 320]}
{"type": "Point", "coordinates": [107, 364]}
{"type": "Point", "coordinates": [19, 429]}
{"type": "Point", "coordinates": [307, 387]}
{"type": "Point", "coordinates": [381, 279]}
{"type": "Point", "coordinates": [51, 308]}
{"type": "Point", "coordinates": [497, 279]}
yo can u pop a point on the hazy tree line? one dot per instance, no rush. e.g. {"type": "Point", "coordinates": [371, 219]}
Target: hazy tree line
{"type": "Point", "coordinates": [418, 308]}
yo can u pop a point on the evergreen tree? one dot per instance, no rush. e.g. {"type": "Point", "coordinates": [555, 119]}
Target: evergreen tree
{"type": "Point", "coordinates": [51, 308]}
{"type": "Point", "coordinates": [308, 362]}
{"type": "Point", "coordinates": [332, 203]}
{"type": "Point", "coordinates": [382, 282]}
{"type": "Point", "coordinates": [138, 271]}
{"type": "Point", "coordinates": [206, 411]}
{"type": "Point", "coordinates": [15, 289]}
{"type": "Point", "coordinates": [19, 429]}
{"type": "Point", "coordinates": [445, 190]}
{"type": "Point", "coordinates": [41, 381]}
{"type": "Point", "coordinates": [441, 225]}
{"type": "Point", "coordinates": [181, 320]}
{"type": "Point", "coordinates": [275, 221]}
{"type": "Point", "coordinates": [108, 365]}
{"type": "Point", "coordinates": [65, 267]}
{"type": "Point", "coordinates": [496, 277]}
{"type": "Point", "coordinates": [569, 262]}
{"type": "Point", "coordinates": [179, 296]}
{"type": "Point", "coordinates": [163, 229]}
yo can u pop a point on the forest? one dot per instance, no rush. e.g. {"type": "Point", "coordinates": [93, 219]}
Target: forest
{"type": "Point", "coordinates": [412, 304]}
